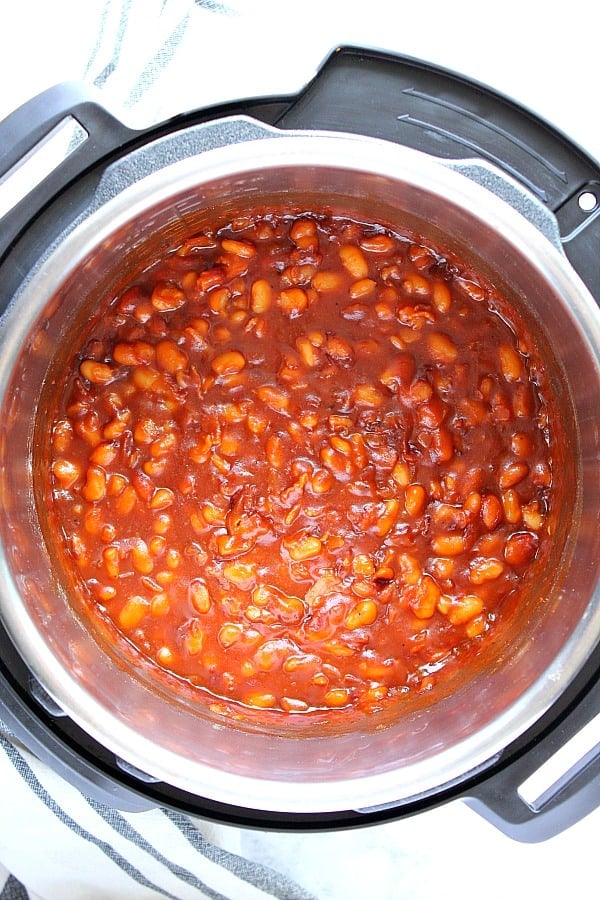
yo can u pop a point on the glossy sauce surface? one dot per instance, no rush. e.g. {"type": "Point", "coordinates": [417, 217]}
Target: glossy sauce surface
{"type": "Point", "coordinates": [302, 462]}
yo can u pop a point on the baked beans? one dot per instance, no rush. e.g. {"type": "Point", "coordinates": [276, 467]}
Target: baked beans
{"type": "Point", "coordinates": [301, 463]}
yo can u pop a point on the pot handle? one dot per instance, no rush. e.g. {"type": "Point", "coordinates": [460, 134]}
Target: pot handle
{"type": "Point", "coordinates": [533, 798]}
{"type": "Point", "coordinates": [45, 144]}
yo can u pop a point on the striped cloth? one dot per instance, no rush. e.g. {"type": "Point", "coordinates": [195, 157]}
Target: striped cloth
{"type": "Point", "coordinates": [70, 847]}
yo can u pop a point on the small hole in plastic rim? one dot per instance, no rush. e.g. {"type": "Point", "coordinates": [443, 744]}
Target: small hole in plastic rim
{"type": "Point", "coordinates": [587, 201]}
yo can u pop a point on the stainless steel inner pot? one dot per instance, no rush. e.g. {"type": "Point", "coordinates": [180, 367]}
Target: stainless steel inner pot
{"type": "Point", "coordinates": [139, 213]}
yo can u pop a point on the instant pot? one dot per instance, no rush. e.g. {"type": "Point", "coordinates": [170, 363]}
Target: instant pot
{"type": "Point", "coordinates": [537, 196]}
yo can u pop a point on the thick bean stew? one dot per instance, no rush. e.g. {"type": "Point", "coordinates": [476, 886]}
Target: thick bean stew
{"type": "Point", "coordinates": [302, 462]}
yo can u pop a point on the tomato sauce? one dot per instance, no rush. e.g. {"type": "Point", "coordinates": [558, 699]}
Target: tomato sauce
{"type": "Point", "coordinates": [301, 463]}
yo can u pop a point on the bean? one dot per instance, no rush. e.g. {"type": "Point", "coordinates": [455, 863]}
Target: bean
{"type": "Point", "coordinates": [533, 518]}
{"type": "Point", "coordinates": [427, 597]}
{"type": "Point", "coordinates": [422, 257]}
{"type": "Point", "coordinates": [126, 501]}
{"type": "Point", "coordinates": [62, 436]}
{"type": "Point", "coordinates": [143, 313]}
{"type": "Point", "coordinates": [104, 453]}
{"type": "Point", "coordinates": [339, 649]}
{"type": "Point", "coordinates": [292, 302]}
{"type": "Point", "coordinates": [170, 357]}
{"type": "Point", "coordinates": [442, 444]}
{"type": "Point", "coordinates": [228, 363]}
{"type": "Point", "coordinates": [521, 444]}
{"type": "Point", "coordinates": [167, 297]}
{"type": "Point", "coordinates": [520, 548]}
{"type": "Point", "coordinates": [145, 378]}
{"type": "Point", "coordinates": [194, 639]}
{"type": "Point", "coordinates": [173, 558]}
{"type": "Point", "coordinates": [92, 522]}
{"type": "Point", "coordinates": [336, 462]}
{"type": "Point", "coordinates": [141, 559]}
{"type": "Point", "coordinates": [420, 391]}
{"type": "Point", "coordinates": [133, 612]}
{"type": "Point", "coordinates": [273, 397]}
{"type": "Point", "coordinates": [410, 569]}
{"type": "Point", "coordinates": [355, 312]}
{"type": "Point", "coordinates": [275, 451]}
{"type": "Point", "coordinates": [261, 295]}
{"type": "Point", "coordinates": [441, 348]}
{"type": "Point", "coordinates": [362, 288]}
{"type": "Point", "coordinates": [162, 498]}
{"type": "Point", "coordinates": [66, 472]}
{"type": "Point", "coordinates": [415, 498]}
{"type": "Point", "coordinates": [491, 511]}
{"type": "Point", "coordinates": [293, 705]}
{"type": "Point", "coordinates": [337, 697]}
{"type": "Point", "coordinates": [449, 544]}
{"type": "Point", "coordinates": [512, 474]}
{"type": "Point", "coordinates": [484, 569]}
{"type": "Point", "coordinates": [243, 249]}
{"type": "Point", "coordinates": [367, 395]}
{"type": "Point", "coordinates": [387, 519]}
{"type": "Point", "coordinates": [476, 626]}
{"type": "Point", "coordinates": [303, 546]}
{"type": "Point", "coordinates": [157, 545]}
{"type": "Point", "coordinates": [510, 363]}
{"type": "Point", "coordinates": [232, 544]}
{"type": "Point", "coordinates": [401, 474]}
{"type": "Point", "coordinates": [135, 353]}
{"type": "Point", "coordinates": [472, 503]}
{"type": "Point", "coordinates": [441, 296]}
{"type": "Point", "coordinates": [399, 372]}
{"type": "Point", "coordinates": [261, 699]}
{"type": "Point", "coordinates": [362, 614]}
{"type": "Point", "coordinates": [257, 422]}
{"type": "Point", "coordinates": [416, 286]}
{"type": "Point", "coordinates": [302, 229]}
{"type": "Point", "coordinates": [362, 564]}
{"type": "Point", "coordinates": [202, 449]}
{"type": "Point", "coordinates": [145, 431]}
{"type": "Point", "coordinates": [196, 243]}
{"type": "Point", "coordinates": [471, 288]}
{"type": "Point", "coordinates": [229, 634]}
{"type": "Point", "coordinates": [94, 488]}
{"type": "Point", "coordinates": [218, 300]}
{"type": "Point", "coordinates": [117, 426]}
{"type": "Point", "coordinates": [96, 372]}
{"type": "Point", "coordinates": [443, 568]}
{"type": "Point", "coordinates": [240, 573]}
{"type": "Point", "coordinates": [322, 481]}
{"type": "Point", "coordinates": [512, 506]}
{"type": "Point", "coordinates": [164, 656]}
{"type": "Point", "coordinates": [309, 354]}
{"type": "Point", "coordinates": [541, 474]}
{"type": "Point", "coordinates": [377, 243]}
{"type": "Point", "coordinates": [522, 401]}
{"type": "Point", "coordinates": [163, 444]}
{"type": "Point", "coordinates": [339, 350]}
{"type": "Point", "coordinates": [354, 261]}
{"type": "Point", "coordinates": [325, 282]}
{"type": "Point", "coordinates": [160, 604]}
{"type": "Point", "coordinates": [464, 609]}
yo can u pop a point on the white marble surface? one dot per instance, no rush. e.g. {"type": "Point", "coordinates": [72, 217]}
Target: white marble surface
{"type": "Point", "coordinates": [544, 57]}
{"type": "Point", "coordinates": [546, 60]}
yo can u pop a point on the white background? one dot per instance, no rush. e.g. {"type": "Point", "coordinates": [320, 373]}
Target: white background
{"type": "Point", "coordinates": [545, 56]}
